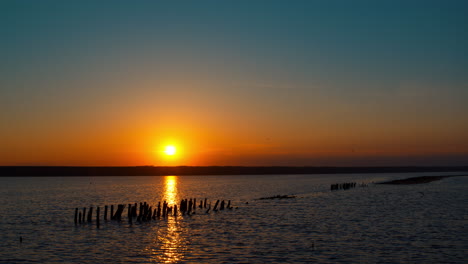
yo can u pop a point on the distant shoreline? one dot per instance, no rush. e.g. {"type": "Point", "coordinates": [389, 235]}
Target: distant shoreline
{"type": "Point", "coordinates": [60, 171]}
{"type": "Point", "coordinates": [420, 179]}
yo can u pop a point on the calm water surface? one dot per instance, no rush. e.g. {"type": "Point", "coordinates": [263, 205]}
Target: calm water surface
{"type": "Point", "coordinates": [424, 223]}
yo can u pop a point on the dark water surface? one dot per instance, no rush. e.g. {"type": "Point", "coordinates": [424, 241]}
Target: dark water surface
{"type": "Point", "coordinates": [423, 223]}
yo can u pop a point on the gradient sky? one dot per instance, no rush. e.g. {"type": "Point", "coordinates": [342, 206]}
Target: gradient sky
{"type": "Point", "coordinates": [234, 82]}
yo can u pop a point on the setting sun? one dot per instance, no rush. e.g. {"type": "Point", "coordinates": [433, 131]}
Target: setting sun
{"type": "Point", "coordinates": [170, 150]}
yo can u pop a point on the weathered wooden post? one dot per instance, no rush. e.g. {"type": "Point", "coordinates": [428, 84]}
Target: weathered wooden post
{"type": "Point", "coordinates": [79, 217]}
{"type": "Point", "coordinates": [84, 214]}
{"type": "Point", "coordinates": [148, 213]}
{"type": "Point", "coordinates": [216, 206]}
{"type": "Point", "coordinates": [134, 212]}
{"type": "Point", "coordinates": [112, 212]}
{"type": "Point", "coordinates": [140, 212]}
{"type": "Point", "coordinates": [229, 204]}
{"type": "Point", "coordinates": [154, 213]}
{"type": "Point", "coordinates": [76, 215]}
{"type": "Point", "coordinates": [169, 210]}
{"type": "Point", "coordinates": [105, 213]}
{"type": "Point", "coordinates": [159, 210]}
{"type": "Point", "coordinates": [90, 214]}
{"type": "Point", "coordinates": [164, 209]}
{"type": "Point", "coordinates": [201, 204]}
{"type": "Point", "coordinates": [130, 212]}
{"type": "Point", "coordinates": [204, 204]}
{"type": "Point", "coordinates": [175, 210]}
{"type": "Point", "coordinates": [221, 207]}
{"type": "Point", "coordinates": [209, 208]}
{"type": "Point", "coordinates": [190, 204]}
{"type": "Point", "coordinates": [97, 217]}
{"type": "Point", "coordinates": [120, 211]}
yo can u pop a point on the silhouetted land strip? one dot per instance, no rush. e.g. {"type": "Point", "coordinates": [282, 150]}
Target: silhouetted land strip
{"type": "Point", "coordinates": [208, 170]}
{"type": "Point", "coordinates": [278, 197]}
{"type": "Point", "coordinates": [420, 180]}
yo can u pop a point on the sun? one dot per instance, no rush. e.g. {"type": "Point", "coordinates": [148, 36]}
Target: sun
{"type": "Point", "coordinates": [170, 150]}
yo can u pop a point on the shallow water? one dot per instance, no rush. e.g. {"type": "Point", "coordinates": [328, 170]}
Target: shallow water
{"type": "Point", "coordinates": [378, 223]}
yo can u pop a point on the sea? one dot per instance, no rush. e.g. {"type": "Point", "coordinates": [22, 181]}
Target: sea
{"type": "Point", "coordinates": [371, 223]}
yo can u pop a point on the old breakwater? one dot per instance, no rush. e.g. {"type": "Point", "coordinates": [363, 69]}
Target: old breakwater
{"type": "Point", "coordinates": [144, 212]}
{"type": "Point", "coordinates": [345, 186]}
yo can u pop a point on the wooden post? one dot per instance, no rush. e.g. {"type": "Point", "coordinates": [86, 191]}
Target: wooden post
{"type": "Point", "coordinates": [76, 215]}
{"type": "Point", "coordinates": [118, 213]}
{"type": "Point", "coordinates": [175, 210]}
{"type": "Point", "coordinates": [112, 212]}
{"type": "Point", "coordinates": [129, 212]}
{"type": "Point", "coordinates": [135, 209]}
{"type": "Point", "coordinates": [164, 210]}
{"type": "Point", "coordinates": [84, 214]}
{"type": "Point", "coordinates": [216, 206]}
{"type": "Point", "coordinates": [169, 210]}
{"type": "Point", "coordinates": [159, 209]}
{"type": "Point", "coordinates": [229, 205]}
{"type": "Point", "coordinates": [150, 213]}
{"type": "Point", "coordinates": [221, 207]}
{"type": "Point", "coordinates": [97, 217]}
{"type": "Point", "coordinates": [140, 214]}
{"type": "Point", "coordinates": [201, 204]}
{"type": "Point", "coordinates": [154, 213]}
{"type": "Point", "coordinates": [90, 214]}
{"type": "Point", "coordinates": [79, 217]}
{"type": "Point", "coordinates": [209, 208]}
{"type": "Point", "coordinates": [204, 204]}
{"type": "Point", "coordinates": [190, 204]}
{"type": "Point", "coordinates": [105, 213]}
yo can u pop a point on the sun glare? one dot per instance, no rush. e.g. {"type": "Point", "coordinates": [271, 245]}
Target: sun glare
{"type": "Point", "coordinates": [170, 150]}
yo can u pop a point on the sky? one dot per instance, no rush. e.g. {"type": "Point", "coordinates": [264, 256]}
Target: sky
{"type": "Point", "coordinates": [299, 83]}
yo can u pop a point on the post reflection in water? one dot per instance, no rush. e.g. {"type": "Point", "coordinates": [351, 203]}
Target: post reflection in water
{"type": "Point", "coordinates": [170, 242]}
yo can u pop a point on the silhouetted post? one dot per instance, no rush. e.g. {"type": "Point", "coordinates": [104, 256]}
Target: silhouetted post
{"type": "Point", "coordinates": [229, 204]}
{"type": "Point", "coordinates": [84, 214]}
{"type": "Point", "coordinates": [154, 213]}
{"type": "Point", "coordinates": [118, 214]}
{"type": "Point", "coordinates": [90, 214]}
{"type": "Point", "coordinates": [140, 212]}
{"type": "Point", "coordinates": [121, 208]}
{"type": "Point", "coordinates": [105, 213]}
{"type": "Point", "coordinates": [204, 204]}
{"type": "Point", "coordinates": [79, 217]}
{"type": "Point", "coordinates": [175, 210]}
{"type": "Point", "coordinates": [169, 210]}
{"type": "Point", "coordinates": [159, 210]}
{"type": "Point", "coordinates": [164, 209]}
{"type": "Point", "coordinates": [190, 204]}
{"type": "Point", "coordinates": [150, 211]}
{"type": "Point", "coordinates": [134, 210]}
{"type": "Point", "coordinates": [129, 212]}
{"type": "Point", "coordinates": [201, 204]}
{"type": "Point", "coordinates": [209, 208]}
{"type": "Point", "coordinates": [112, 212]}
{"type": "Point", "coordinates": [76, 215]}
{"type": "Point", "coordinates": [216, 206]}
{"type": "Point", "coordinates": [221, 207]}
{"type": "Point", "coordinates": [97, 217]}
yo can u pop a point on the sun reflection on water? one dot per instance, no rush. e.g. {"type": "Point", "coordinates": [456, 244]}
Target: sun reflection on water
{"type": "Point", "coordinates": [170, 243]}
